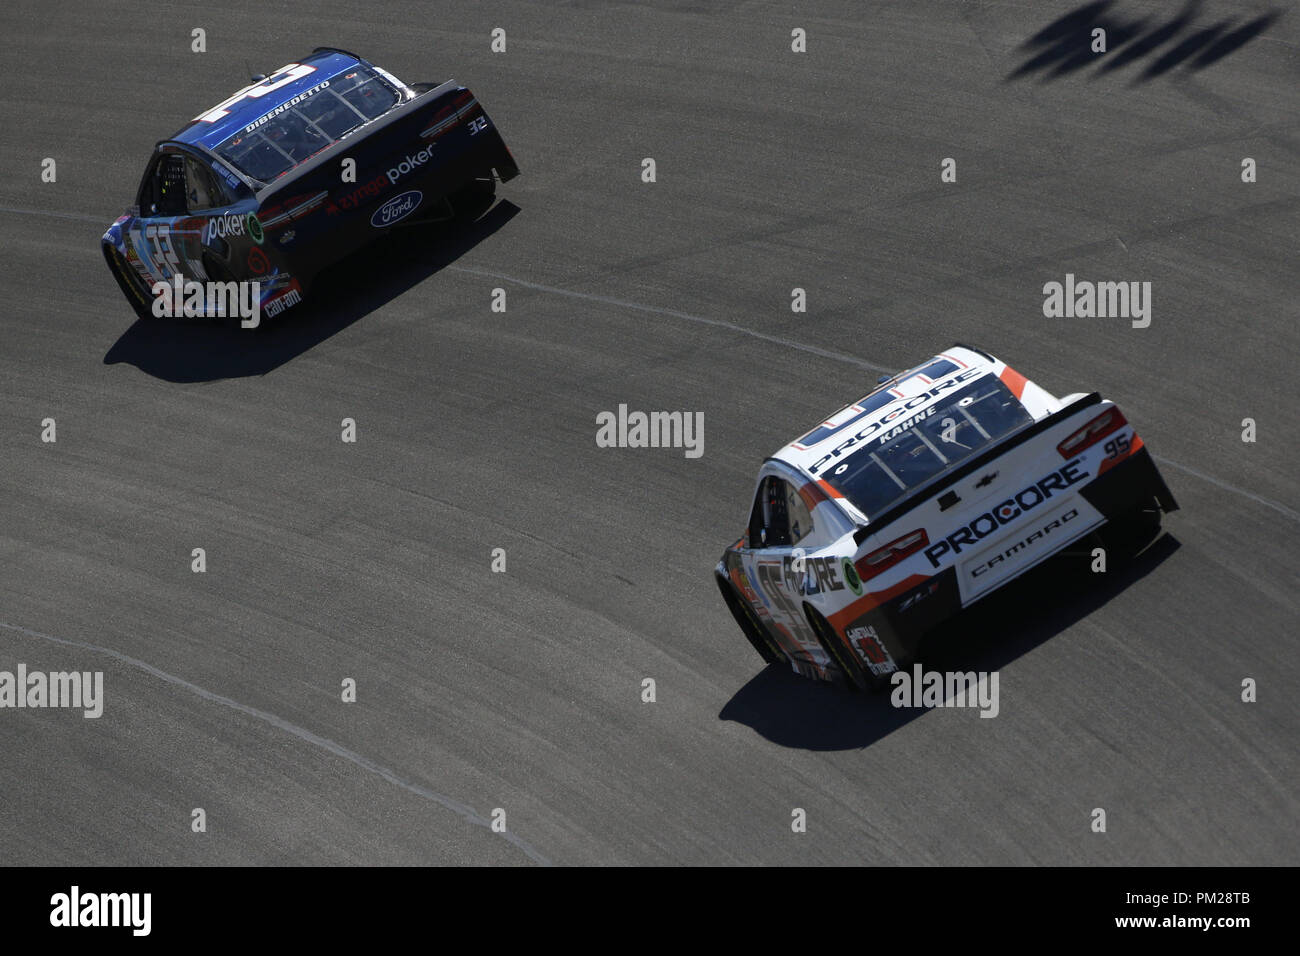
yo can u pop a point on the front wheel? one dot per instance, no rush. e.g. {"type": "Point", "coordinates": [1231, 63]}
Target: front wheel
{"type": "Point", "coordinates": [140, 299]}
{"type": "Point", "coordinates": [753, 628]}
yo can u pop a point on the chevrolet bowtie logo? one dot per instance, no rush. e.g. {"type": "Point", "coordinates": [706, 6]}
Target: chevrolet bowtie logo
{"type": "Point", "coordinates": [987, 479]}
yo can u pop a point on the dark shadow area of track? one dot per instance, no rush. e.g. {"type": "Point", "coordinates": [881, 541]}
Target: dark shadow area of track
{"type": "Point", "coordinates": [192, 351]}
{"type": "Point", "coordinates": [795, 712]}
{"type": "Point", "coordinates": [1065, 45]}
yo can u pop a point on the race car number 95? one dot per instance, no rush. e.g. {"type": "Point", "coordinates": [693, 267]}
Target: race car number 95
{"type": "Point", "coordinates": [1117, 447]}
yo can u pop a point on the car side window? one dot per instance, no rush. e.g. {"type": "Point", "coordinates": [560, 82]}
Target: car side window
{"type": "Point", "coordinates": [164, 193]}
{"type": "Point", "coordinates": [202, 192]}
{"type": "Point", "coordinates": [801, 523]}
{"type": "Point", "coordinates": [770, 521]}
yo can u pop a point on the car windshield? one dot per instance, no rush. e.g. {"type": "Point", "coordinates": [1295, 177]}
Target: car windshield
{"type": "Point", "coordinates": [880, 473]}
{"type": "Point", "coordinates": [308, 123]}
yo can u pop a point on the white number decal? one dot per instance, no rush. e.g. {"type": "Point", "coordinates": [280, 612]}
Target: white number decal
{"type": "Point", "coordinates": [1117, 447]}
{"type": "Point", "coordinates": [287, 74]}
{"type": "Point", "coordinates": [161, 254]}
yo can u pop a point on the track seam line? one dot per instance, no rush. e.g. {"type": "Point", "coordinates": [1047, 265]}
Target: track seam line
{"type": "Point", "coordinates": [1266, 502]}
{"type": "Point", "coordinates": [825, 353]}
{"type": "Point", "coordinates": [365, 763]}
{"type": "Point", "coordinates": [731, 326]}
{"type": "Point", "coordinates": [639, 307]}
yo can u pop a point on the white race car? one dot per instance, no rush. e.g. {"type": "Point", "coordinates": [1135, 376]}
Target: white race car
{"type": "Point", "coordinates": [945, 483]}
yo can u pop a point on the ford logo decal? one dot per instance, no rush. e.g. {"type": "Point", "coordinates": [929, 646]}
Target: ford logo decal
{"type": "Point", "coordinates": [399, 207]}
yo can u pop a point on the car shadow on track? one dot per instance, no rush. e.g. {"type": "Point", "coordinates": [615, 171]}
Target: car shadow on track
{"type": "Point", "coordinates": [195, 351]}
{"type": "Point", "coordinates": [796, 712]}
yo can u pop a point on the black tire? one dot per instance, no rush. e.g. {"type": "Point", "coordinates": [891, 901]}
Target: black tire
{"type": "Point", "coordinates": [1130, 533]}
{"type": "Point", "coordinates": [837, 649]}
{"type": "Point", "coordinates": [473, 199]}
{"type": "Point", "coordinates": [750, 624]}
{"type": "Point", "coordinates": [140, 299]}
{"type": "Point", "coordinates": [216, 269]}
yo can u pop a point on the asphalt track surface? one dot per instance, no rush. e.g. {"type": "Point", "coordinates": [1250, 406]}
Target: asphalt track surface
{"type": "Point", "coordinates": [522, 690]}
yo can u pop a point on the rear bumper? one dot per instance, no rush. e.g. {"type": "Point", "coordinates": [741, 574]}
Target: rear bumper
{"type": "Point", "coordinates": [899, 623]}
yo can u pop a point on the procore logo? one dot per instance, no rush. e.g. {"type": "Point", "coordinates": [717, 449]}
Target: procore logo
{"type": "Point", "coordinates": [1026, 499]}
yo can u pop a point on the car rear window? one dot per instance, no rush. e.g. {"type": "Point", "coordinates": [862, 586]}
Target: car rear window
{"type": "Point", "coordinates": [292, 135]}
{"type": "Point", "coordinates": [879, 474]}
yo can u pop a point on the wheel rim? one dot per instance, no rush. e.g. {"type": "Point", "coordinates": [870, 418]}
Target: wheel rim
{"type": "Point", "coordinates": [831, 644]}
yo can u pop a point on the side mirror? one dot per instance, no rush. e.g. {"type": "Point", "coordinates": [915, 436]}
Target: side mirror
{"type": "Point", "coordinates": [883, 379]}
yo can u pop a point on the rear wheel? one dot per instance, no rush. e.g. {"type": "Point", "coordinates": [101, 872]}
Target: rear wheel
{"type": "Point", "coordinates": [473, 199]}
{"type": "Point", "coordinates": [837, 649]}
{"type": "Point", "coordinates": [1127, 534]}
{"type": "Point", "coordinates": [754, 629]}
{"type": "Point", "coordinates": [216, 269]}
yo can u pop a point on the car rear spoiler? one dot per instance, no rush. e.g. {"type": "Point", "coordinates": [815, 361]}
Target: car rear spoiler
{"type": "Point", "coordinates": [996, 450]}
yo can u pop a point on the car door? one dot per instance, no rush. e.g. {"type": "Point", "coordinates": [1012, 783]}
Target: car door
{"type": "Point", "coordinates": [777, 565]}
{"type": "Point", "coordinates": [186, 221]}
{"type": "Point", "coordinates": [153, 235]}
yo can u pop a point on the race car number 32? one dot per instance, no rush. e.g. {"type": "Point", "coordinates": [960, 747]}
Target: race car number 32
{"type": "Point", "coordinates": [158, 244]}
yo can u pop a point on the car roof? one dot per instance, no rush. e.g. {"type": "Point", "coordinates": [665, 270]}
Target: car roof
{"type": "Point", "coordinates": [327, 64]}
{"type": "Point", "coordinates": [941, 371]}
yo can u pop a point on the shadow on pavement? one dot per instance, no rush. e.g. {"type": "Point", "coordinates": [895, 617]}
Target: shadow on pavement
{"type": "Point", "coordinates": [796, 712]}
{"type": "Point", "coordinates": [188, 350]}
{"type": "Point", "coordinates": [1065, 45]}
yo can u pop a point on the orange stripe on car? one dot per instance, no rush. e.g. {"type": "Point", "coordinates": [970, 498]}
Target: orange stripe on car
{"type": "Point", "coordinates": [843, 618]}
{"type": "Point", "coordinates": [1014, 381]}
{"type": "Point", "coordinates": [831, 491]}
{"type": "Point", "coordinates": [1109, 463]}
{"type": "Point", "coordinates": [815, 492]}
{"type": "Point", "coordinates": [811, 496]}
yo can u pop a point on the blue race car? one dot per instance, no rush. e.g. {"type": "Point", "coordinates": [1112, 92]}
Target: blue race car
{"type": "Point", "coordinates": [296, 171]}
